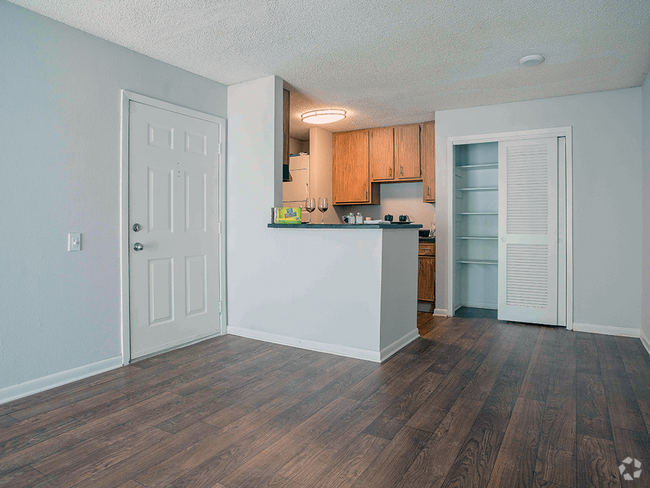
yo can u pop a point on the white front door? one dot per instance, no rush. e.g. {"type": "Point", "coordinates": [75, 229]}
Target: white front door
{"type": "Point", "coordinates": [173, 228]}
{"type": "Point", "coordinates": [528, 231]}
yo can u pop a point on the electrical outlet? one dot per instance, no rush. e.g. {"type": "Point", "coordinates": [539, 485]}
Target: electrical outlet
{"type": "Point", "coordinates": [74, 242]}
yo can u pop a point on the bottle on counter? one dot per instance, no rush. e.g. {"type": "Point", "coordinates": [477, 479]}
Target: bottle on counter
{"type": "Point", "coordinates": [359, 218]}
{"type": "Point", "coordinates": [351, 218]}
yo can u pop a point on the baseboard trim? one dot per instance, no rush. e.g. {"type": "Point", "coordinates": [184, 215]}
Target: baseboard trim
{"type": "Point", "coordinates": [350, 352]}
{"type": "Point", "coordinates": [483, 305]}
{"type": "Point", "coordinates": [645, 340]}
{"type": "Point", "coordinates": [606, 330]}
{"type": "Point", "coordinates": [57, 379]}
{"type": "Point", "coordinates": [391, 349]}
{"type": "Point", "coordinates": [440, 311]}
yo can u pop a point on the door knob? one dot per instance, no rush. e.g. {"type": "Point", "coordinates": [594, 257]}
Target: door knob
{"type": "Point", "coordinates": [503, 239]}
{"type": "Point", "coordinates": [137, 227]}
{"type": "Point", "coordinates": [138, 247]}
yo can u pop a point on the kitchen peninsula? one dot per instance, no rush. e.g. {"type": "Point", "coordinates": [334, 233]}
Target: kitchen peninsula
{"type": "Point", "coordinates": [348, 289]}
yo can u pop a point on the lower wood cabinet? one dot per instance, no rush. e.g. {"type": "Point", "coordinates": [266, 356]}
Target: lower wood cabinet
{"type": "Point", "coordinates": [427, 272]}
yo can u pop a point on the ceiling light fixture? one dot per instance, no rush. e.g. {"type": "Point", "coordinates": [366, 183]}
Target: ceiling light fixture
{"type": "Point", "coordinates": [323, 116]}
{"type": "Point", "coordinates": [532, 60]}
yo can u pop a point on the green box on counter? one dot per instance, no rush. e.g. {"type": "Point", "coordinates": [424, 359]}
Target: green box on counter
{"type": "Point", "coordinates": [288, 215]}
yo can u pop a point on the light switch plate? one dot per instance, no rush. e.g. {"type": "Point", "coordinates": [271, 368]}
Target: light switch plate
{"type": "Point", "coordinates": [74, 242]}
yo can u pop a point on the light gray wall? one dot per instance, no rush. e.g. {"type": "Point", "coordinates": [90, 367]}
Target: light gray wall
{"type": "Point", "coordinates": [60, 140]}
{"type": "Point", "coordinates": [645, 324]}
{"type": "Point", "coordinates": [607, 197]}
{"type": "Point", "coordinates": [297, 285]}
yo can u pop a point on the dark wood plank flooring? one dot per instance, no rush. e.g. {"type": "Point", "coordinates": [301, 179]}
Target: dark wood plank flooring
{"type": "Point", "coordinates": [473, 402]}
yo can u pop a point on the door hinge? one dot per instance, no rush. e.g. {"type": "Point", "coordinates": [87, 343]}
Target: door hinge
{"type": "Point", "coordinates": [219, 308]}
{"type": "Point", "coordinates": [219, 149]}
{"type": "Point", "coordinates": [219, 227]}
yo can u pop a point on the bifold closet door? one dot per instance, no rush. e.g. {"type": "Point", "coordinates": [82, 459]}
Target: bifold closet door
{"type": "Point", "coordinates": [528, 231]}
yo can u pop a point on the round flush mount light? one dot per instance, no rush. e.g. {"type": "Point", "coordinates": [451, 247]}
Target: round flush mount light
{"type": "Point", "coordinates": [323, 116]}
{"type": "Point", "coordinates": [532, 60]}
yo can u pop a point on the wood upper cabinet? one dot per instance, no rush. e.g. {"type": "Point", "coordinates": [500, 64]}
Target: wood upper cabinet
{"type": "Point", "coordinates": [350, 168]}
{"type": "Point", "coordinates": [429, 162]}
{"type": "Point", "coordinates": [407, 152]}
{"type": "Point", "coordinates": [365, 158]}
{"type": "Point", "coordinates": [382, 154]}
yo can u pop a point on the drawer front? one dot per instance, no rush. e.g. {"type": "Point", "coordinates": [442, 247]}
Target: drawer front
{"type": "Point", "coordinates": [427, 249]}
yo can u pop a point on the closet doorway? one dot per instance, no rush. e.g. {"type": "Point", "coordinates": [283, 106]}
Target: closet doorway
{"type": "Point", "coordinates": [510, 225]}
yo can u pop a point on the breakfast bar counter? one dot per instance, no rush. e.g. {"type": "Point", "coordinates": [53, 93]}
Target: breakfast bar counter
{"type": "Point", "coordinates": [344, 289]}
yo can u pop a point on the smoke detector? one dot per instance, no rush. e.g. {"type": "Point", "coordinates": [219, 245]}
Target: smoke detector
{"type": "Point", "coordinates": [531, 60]}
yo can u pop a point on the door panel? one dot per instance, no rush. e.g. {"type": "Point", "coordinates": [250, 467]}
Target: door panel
{"type": "Point", "coordinates": [160, 200]}
{"type": "Point", "coordinates": [350, 171]}
{"type": "Point", "coordinates": [161, 291]}
{"type": "Point", "coordinates": [528, 231]}
{"type": "Point", "coordinates": [173, 194]}
{"type": "Point", "coordinates": [428, 155]}
{"type": "Point", "coordinates": [382, 154]}
{"type": "Point", "coordinates": [195, 202]}
{"type": "Point", "coordinates": [195, 284]}
{"type": "Point", "coordinates": [407, 152]}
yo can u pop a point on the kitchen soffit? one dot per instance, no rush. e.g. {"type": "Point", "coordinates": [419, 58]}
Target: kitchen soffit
{"type": "Point", "coordinates": [387, 62]}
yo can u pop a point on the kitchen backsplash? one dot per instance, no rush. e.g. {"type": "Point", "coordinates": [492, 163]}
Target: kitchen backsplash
{"type": "Point", "coordinates": [396, 199]}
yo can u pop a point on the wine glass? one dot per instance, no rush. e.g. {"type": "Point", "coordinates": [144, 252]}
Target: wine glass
{"type": "Point", "coordinates": [310, 206]}
{"type": "Point", "coordinates": [323, 205]}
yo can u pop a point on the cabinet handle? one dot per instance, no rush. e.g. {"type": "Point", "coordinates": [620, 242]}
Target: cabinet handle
{"type": "Point", "coordinates": [428, 191]}
{"type": "Point", "coordinates": [401, 172]}
{"type": "Point", "coordinates": [390, 171]}
{"type": "Point", "coordinates": [366, 194]}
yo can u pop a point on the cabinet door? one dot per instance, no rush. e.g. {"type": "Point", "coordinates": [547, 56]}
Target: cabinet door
{"type": "Point", "coordinates": [350, 168]}
{"type": "Point", "coordinates": [407, 152]}
{"type": "Point", "coordinates": [381, 154]}
{"type": "Point", "coordinates": [429, 162]}
{"type": "Point", "coordinates": [427, 279]}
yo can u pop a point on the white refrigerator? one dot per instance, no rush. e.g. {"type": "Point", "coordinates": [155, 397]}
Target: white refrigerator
{"type": "Point", "coordinates": [296, 191]}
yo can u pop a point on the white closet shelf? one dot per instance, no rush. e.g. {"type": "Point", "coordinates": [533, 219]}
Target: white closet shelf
{"type": "Point", "coordinates": [478, 237]}
{"type": "Point", "coordinates": [479, 213]}
{"type": "Point", "coordinates": [486, 188]}
{"type": "Point", "coordinates": [470, 167]}
{"type": "Point", "coordinates": [476, 261]}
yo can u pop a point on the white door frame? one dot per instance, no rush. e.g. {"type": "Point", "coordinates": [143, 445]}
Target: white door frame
{"type": "Point", "coordinates": [566, 132]}
{"type": "Point", "coordinates": [125, 296]}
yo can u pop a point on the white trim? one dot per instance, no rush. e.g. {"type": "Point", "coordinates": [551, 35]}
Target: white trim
{"type": "Point", "coordinates": [391, 349]}
{"type": "Point", "coordinates": [440, 311]}
{"type": "Point", "coordinates": [451, 262]}
{"type": "Point", "coordinates": [177, 109]}
{"type": "Point", "coordinates": [606, 329]}
{"type": "Point", "coordinates": [127, 97]}
{"type": "Point", "coordinates": [124, 230]}
{"type": "Point", "coordinates": [482, 305]}
{"type": "Point", "coordinates": [569, 228]}
{"type": "Point", "coordinates": [351, 352]}
{"type": "Point", "coordinates": [644, 340]}
{"type": "Point", "coordinates": [170, 346]}
{"type": "Point", "coordinates": [57, 379]}
{"type": "Point", "coordinates": [452, 141]}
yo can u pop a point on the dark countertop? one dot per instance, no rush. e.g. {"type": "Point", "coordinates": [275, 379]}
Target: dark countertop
{"type": "Point", "coordinates": [427, 239]}
{"type": "Point", "coordinates": [346, 226]}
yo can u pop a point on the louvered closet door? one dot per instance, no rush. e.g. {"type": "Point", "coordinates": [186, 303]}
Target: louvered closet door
{"type": "Point", "coordinates": [528, 223]}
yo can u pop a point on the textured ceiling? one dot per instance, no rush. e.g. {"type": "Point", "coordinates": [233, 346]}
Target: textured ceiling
{"type": "Point", "coordinates": [385, 61]}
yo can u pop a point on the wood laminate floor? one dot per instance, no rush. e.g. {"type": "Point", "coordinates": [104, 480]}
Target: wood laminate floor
{"type": "Point", "coordinates": [474, 402]}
